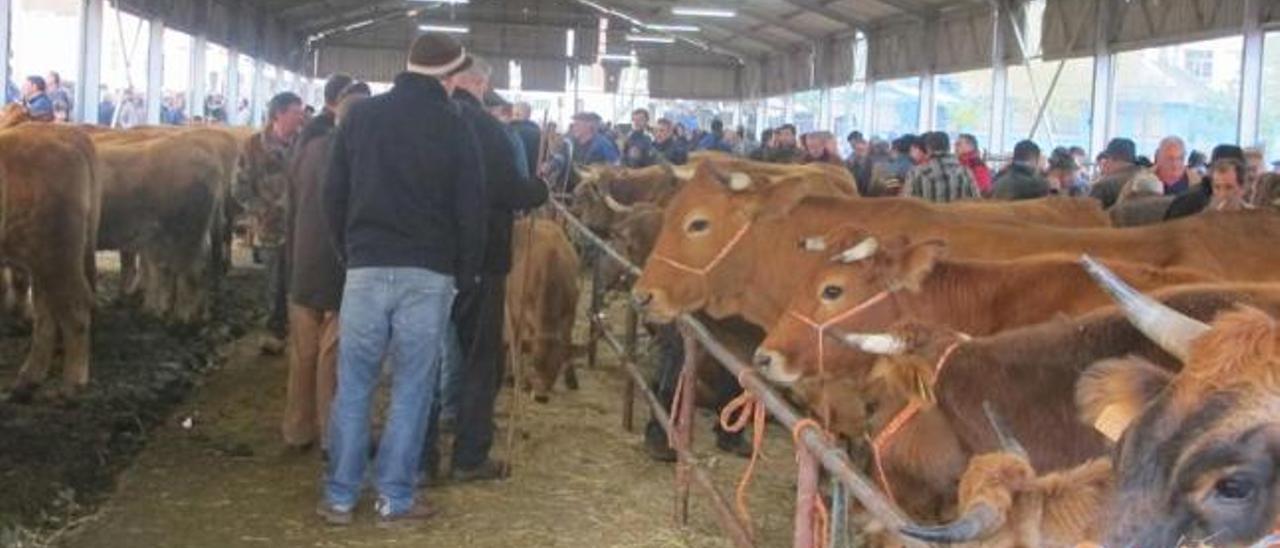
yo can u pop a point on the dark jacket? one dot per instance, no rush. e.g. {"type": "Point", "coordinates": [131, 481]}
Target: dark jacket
{"type": "Point", "coordinates": [1140, 210]}
{"type": "Point", "coordinates": [1020, 182]}
{"type": "Point", "coordinates": [406, 183]}
{"type": "Point", "coordinates": [1192, 201]}
{"type": "Point", "coordinates": [1107, 189]}
{"type": "Point", "coordinates": [531, 136]}
{"type": "Point", "coordinates": [861, 169]}
{"type": "Point", "coordinates": [673, 150]}
{"type": "Point", "coordinates": [506, 190]}
{"type": "Point", "coordinates": [712, 141]}
{"type": "Point", "coordinates": [637, 151]}
{"type": "Point", "coordinates": [316, 275]}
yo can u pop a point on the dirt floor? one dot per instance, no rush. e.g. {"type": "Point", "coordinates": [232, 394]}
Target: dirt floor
{"type": "Point", "coordinates": [214, 472]}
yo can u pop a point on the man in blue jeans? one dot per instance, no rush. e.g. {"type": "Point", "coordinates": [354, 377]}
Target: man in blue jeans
{"type": "Point", "coordinates": [406, 205]}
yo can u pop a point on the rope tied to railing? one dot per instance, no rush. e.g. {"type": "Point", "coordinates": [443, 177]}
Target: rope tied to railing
{"type": "Point", "coordinates": [677, 401]}
{"type": "Point", "coordinates": [821, 522]}
{"type": "Point", "coordinates": [743, 410]}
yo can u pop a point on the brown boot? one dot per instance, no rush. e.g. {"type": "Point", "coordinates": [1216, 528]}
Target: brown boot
{"type": "Point", "coordinates": [417, 515]}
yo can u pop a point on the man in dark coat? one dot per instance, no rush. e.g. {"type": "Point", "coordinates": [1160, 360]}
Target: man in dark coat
{"type": "Point", "coordinates": [405, 203]}
{"type": "Point", "coordinates": [1119, 164]}
{"type": "Point", "coordinates": [638, 151]}
{"type": "Point", "coordinates": [666, 145]}
{"type": "Point", "coordinates": [1022, 180]}
{"type": "Point", "coordinates": [315, 281]}
{"type": "Point", "coordinates": [528, 132]}
{"type": "Point", "coordinates": [478, 314]}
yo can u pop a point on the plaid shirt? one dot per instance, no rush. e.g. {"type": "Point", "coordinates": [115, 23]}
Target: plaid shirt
{"type": "Point", "coordinates": [941, 179]}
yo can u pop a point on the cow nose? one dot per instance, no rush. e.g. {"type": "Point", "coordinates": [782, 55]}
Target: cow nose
{"type": "Point", "coordinates": [642, 297]}
{"type": "Point", "coordinates": [765, 359]}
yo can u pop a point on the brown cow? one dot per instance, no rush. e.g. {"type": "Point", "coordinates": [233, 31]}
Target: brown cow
{"type": "Point", "coordinates": [160, 197]}
{"type": "Point", "coordinates": [1004, 504]}
{"type": "Point", "coordinates": [1198, 459]}
{"type": "Point", "coordinates": [740, 252]}
{"type": "Point", "coordinates": [542, 301]}
{"type": "Point", "coordinates": [49, 208]}
{"type": "Point", "coordinates": [867, 286]}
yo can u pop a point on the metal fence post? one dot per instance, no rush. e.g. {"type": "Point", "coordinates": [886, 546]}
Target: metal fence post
{"type": "Point", "coordinates": [684, 425]}
{"type": "Point", "coordinates": [629, 394]}
{"type": "Point", "coordinates": [806, 498]}
{"type": "Point", "coordinates": [597, 301]}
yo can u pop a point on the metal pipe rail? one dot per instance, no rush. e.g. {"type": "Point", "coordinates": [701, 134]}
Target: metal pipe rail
{"type": "Point", "coordinates": [815, 445]}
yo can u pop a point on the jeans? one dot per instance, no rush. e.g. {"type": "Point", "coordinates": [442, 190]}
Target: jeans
{"type": "Point", "coordinates": [400, 313]}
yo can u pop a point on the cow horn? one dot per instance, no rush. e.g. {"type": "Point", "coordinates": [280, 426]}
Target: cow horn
{"type": "Point", "coordinates": [586, 174]}
{"type": "Point", "coordinates": [975, 524]}
{"type": "Point", "coordinates": [1008, 441]}
{"type": "Point", "coordinates": [863, 250]}
{"type": "Point", "coordinates": [1168, 328]}
{"type": "Point", "coordinates": [683, 173]}
{"type": "Point", "coordinates": [875, 343]}
{"type": "Point", "coordinates": [739, 181]}
{"type": "Point", "coordinates": [615, 206]}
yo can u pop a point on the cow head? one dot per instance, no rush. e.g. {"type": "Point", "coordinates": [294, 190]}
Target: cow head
{"type": "Point", "coordinates": [703, 252]}
{"type": "Point", "coordinates": [13, 114]}
{"type": "Point", "coordinates": [851, 292]}
{"type": "Point", "coordinates": [633, 235]}
{"type": "Point", "coordinates": [1198, 453]}
{"type": "Point", "coordinates": [605, 194]}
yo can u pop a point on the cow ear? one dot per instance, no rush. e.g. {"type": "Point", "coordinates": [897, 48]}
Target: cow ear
{"type": "Point", "coordinates": [916, 262]}
{"type": "Point", "coordinates": [1112, 393]}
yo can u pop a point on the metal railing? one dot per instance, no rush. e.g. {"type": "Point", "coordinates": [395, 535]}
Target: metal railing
{"type": "Point", "coordinates": [813, 447]}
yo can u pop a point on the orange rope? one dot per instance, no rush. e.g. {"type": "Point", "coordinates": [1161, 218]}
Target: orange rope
{"type": "Point", "coordinates": [676, 401]}
{"type": "Point", "coordinates": [735, 416]}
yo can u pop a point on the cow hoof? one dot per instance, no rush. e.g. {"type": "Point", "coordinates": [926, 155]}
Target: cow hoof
{"type": "Point", "coordinates": [571, 382]}
{"type": "Point", "coordinates": [23, 393]}
{"type": "Point", "coordinates": [541, 398]}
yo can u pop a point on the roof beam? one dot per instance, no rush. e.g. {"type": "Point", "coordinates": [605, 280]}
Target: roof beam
{"type": "Point", "coordinates": [352, 15]}
{"type": "Point", "coordinates": [739, 54]}
{"type": "Point", "coordinates": [911, 9]}
{"type": "Point", "coordinates": [823, 9]}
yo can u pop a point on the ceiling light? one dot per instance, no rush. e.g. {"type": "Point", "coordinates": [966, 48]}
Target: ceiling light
{"type": "Point", "coordinates": [443, 1]}
{"type": "Point", "coordinates": [616, 57]}
{"type": "Point", "coordinates": [703, 12]}
{"type": "Point", "coordinates": [674, 28]}
{"type": "Point", "coordinates": [650, 39]}
{"type": "Point", "coordinates": [450, 29]}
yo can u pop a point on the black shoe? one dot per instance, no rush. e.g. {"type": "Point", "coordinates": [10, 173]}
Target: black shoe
{"type": "Point", "coordinates": [655, 444]}
{"type": "Point", "coordinates": [488, 471]}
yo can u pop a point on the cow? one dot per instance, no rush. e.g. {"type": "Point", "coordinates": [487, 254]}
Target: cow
{"type": "Point", "coordinates": [542, 301]}
{"type": "Point", "coordinates": [1005, 504]}
{"type": "Point", "coordinates": [1021, 372]}
{"type": "Point", "coordinates": [161, 196]}
{"type": "Point", "coordinates": [866, 286]}
{"type": "Point", "coordinates": [1198, 452]}
{"type": "Point", "coordinates": [49, 209]}
{"type": "Point", "coordinates": [737, 248]}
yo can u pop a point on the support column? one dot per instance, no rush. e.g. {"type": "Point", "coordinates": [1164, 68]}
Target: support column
{"type": "Point", "coordinates": [89, 74]}
{"type": "Point", "coordinates": [869, 108]}
{"type": "Point", "coordinates": [6, 75]}
{"type": "Point", "coordinates": [256, 92]}
{"type": "Point", "coordinates": [155, 71]}
{"type": "Point", "coordinates": [1100, 122]}
{"type": "Point", "coordinates": [1251, 80]}
{"type": "Point", "coordinates": [232, 95]}
{"type": "Point", "coordinates": [999, 84]}
{"type": "Point", "coordinates": [199, 76]}
{"type": "Point", "coordinates": [927, 101]}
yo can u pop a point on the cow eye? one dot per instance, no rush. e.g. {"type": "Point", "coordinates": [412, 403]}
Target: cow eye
{"type": "Point", "coordinates": [832, 292]}
{"type": "Point", "coordinates": [698, 225]}
{"type": "Point", "coordinates": [1233, 489]}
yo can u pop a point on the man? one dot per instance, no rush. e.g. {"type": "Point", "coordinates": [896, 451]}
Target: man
{"type": "Point", "coordinates": [405, 205]}
{"type": "Point", "coordinates": [715, 139]}
{"type": "Point", "coordinates": [59, 95]}
{"type": "Point", "coordinates": [666, 145]}
{"type": "Point", "coordinates": [860, 163]}
{"type": "Point", "coordinates": [940, 178]}
{"type": "Point", "coordinates": [971, 158]}
{"type": "Point", "coordinates": [261, 188]}
{"type": "Point", "coordinates": [918, 151]}
{"type": "Point", "coordinates": [1022, 180]}
{"type": "Point", "coordinates": [784, 149]}
{"type": "Point", "coordinates": [1227, 170]}
{"type": "Point", "coordinates": [479, 312]}
{"type": "Point", "coordinates": [1254, 167]}
{"type": "Point", "coordinates": [1171, 166]}
{"type": "Point", "coordinates": [106, 108]}
{"type": "Point", "coordinates": [820, 147]}
{"type": "Point", "coordinates": [39, 106]}
{"type": "Point", "coordinates": [766, 144]}
{"type": "Point", "coordinates": [1118, 168]}
{"type": "Point", "coordinates": [1064, 179]}
{"type": "Point", "coordinates": [528, 132]}
{"type": "Point", "coordinates": [589, 145]}
{"type": "Point", "coordinates": [637, 151]}
{"type": "Point", "coordinates": [315, 282]}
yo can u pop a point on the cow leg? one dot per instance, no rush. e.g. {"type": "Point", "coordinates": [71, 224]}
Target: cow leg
{"type": "Point", "coordinates": [130, 274]}
{"type": "Point", "coordinates": [70, 305]}
{"type": "Point", "coordinates": [189, 300]}
{"type": "Point", "coordinates": [43, 341]}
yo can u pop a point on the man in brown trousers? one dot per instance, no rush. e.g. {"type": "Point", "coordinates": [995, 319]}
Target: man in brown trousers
{"type": "Point", "coordinates": [316, 279]}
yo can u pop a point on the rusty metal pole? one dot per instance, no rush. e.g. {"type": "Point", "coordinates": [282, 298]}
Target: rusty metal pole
{"type": "Point", "coordinates": [629, 394]}
{"type": "Point", "coordinates": [806, 498]}
{"type": "Point", "coordinates": [597, 301]}
{"type": "Point", "coordinates": [684, 425]}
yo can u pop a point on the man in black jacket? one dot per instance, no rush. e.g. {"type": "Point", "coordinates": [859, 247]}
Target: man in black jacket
{"type": "Point", "coordinates": [405, 203]}
{"type": "Point", "coordinates": [529, 133]}
{"type": "Point", "coordinates": [479, 311]}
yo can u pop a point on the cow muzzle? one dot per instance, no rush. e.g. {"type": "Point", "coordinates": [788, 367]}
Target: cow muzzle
{"type": "Point", "coordinates": [772, 365]}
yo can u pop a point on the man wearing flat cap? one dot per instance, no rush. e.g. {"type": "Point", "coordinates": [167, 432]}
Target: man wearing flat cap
{"type": "Point", "coordinates": [406, 207]}
{"type": "Point", "coordinates": [1119, 166]}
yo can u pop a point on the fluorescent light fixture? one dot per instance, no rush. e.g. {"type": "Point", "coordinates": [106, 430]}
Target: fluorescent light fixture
{"type": "Point", "coordinates": [616, 57]}
{"type": "Point", "coordinates": [674, 28]}
{"type": "Point", "coordinates": [650, 39]}
{"type": "Point", "coordinates": [450, 29]}
{"type": "Point", "coordinates": [703, 12]}
{"type": "Point", "coordinates": [442, 1]}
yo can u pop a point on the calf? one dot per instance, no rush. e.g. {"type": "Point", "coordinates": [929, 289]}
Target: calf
{"type": "Point", "coordinates": [542, 302]}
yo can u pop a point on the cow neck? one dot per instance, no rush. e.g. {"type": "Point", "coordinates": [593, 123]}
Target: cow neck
{"type": "Point", "coordinates": [881, 440]}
